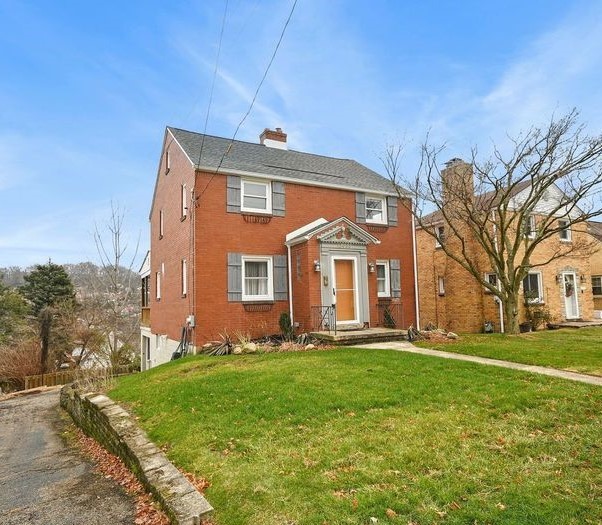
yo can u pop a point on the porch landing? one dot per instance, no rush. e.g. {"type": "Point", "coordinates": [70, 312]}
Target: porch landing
{"type": "Point", "coordinates": [580, 324]}
{"type": "Point", "coordinates": [363, 336]}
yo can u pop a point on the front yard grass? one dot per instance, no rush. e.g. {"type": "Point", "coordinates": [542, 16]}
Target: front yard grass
{"type": "Point", "coordinates": [577, 350]}
{"type": "Point", "coordinates": [343, 436]}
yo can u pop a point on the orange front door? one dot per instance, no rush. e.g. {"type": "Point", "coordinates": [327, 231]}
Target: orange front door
{"type": "Point", "coordinates": [344, 289]}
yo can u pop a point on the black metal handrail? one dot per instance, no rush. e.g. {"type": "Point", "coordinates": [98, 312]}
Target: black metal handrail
{"type": "Point", "coordinates": [324, 318]}
{"type": "Point", "coordinates": [390, 315]}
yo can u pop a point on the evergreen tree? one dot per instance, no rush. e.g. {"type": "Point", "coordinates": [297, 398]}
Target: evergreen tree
{"type": "Point", "coordinates": [49, 290]}
{"type": "Point", "coordinates": [13, 313]}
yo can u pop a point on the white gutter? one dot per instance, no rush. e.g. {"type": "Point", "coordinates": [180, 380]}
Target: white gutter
{"type": "Point", "coordinates": [290, 286]}
{"type": "Point", "coordinates": [293, 180]}
{"type": "Point", "coordinates": [415, 273]}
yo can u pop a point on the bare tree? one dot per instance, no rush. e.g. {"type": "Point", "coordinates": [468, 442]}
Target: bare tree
{"type": "Point", "coordinates": [117, 285]}
{"type": "Point", "coordinates": [554, 172]}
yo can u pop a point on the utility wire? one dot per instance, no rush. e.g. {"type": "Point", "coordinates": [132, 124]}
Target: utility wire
{"type": "Point", "coordinates": [265, 74]}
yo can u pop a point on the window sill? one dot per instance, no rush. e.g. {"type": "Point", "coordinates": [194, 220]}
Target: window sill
{"type": "Point", "coordinates": [258, 301]}
{"type": "Point", "coordinates": [384, 298]}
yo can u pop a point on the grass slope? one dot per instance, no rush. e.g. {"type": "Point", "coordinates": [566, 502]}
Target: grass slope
{"type": "Point", "coordinates": [568, 349]}
{"type": "Point", "coordinates": [339, 437]}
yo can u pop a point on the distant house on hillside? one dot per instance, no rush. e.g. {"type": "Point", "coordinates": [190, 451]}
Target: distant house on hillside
{"type": "Point", "coordinates": [244, 232]}
{"type": "Point", "coordinates": [451, 297]}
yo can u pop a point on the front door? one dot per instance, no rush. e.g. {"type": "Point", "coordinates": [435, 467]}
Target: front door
{"type": "Point", "coordinates": [345, 290]}
{"type": "Point", "coordinates": [571, 306]}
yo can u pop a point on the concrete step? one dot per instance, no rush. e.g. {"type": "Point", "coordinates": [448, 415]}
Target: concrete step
{"type": "Point", "coordinates": [367, 335]}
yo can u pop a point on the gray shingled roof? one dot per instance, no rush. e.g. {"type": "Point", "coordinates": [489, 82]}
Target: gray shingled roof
{"type": "Point", "coordinates": [285, 164]}
{"type": "Point", "coordinates": [595, 228]}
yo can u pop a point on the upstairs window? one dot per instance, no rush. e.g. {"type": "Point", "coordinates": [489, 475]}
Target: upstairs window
{"type": "Point", "coordinates": [257, 279]}
{"type": "Point", "coordinates": [492, 279]}
{"type": "Point", "coordinates": [597, 284]}
{"type": "Point", "coordinates": [376, 210]}
{"type": "Point", "coordinates": [161, 224]}
{"type": "Point", "coordinates": [530, 227]}
{"type": "Point", "coordinates": [167, 162]}
{"type": "Point", "coordinates": [383, 283]}
{"type": "Point", "coordinates": [256, 196]}
{"type": "Point", "coordinates": [183, 201]}
{"type": "Point", "coordinates": [565, 230]}
{"type": "Point", "coordinates": [439, 236]}
{"type": "Point", "coordinates": [532, 288]}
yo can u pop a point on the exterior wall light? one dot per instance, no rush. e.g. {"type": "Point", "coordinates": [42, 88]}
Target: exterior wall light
{"type": "Point", "coordinates": [372, 267]}
{"type": "Point", "coordinates": [317, 266]}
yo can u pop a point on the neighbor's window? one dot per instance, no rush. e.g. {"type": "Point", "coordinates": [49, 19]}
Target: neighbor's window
{"type": "Point", "coordinates": [383, 285]}
{"type": "Point", "coordinates": [256, 196]}
{"type": "Point", "coordinates": [184, 271]}
{"type": "Point", "coordinates": [492, 279]}
{"type": "Point", "coordinates": [376, 209]}
{"type": "Point", "coordinates": [161, 224]}
{"type": "Point", "coordinates": [532, 288]}
{"type": "Point", "coordinates": [597, 284]}
{"type": "Point", "coordinates": [530, 226]}
{"type": "Point", "coordinates": [441, 285]}
{"type": "Point", "coordinates": [145, 291]}
{"type": "Point", "coordinates": [439, 236]}
{"type": "Point", "coordinates": [565, 230]}
{"type": "Point", "coordinates": [183, 202]}
{"type": "Point", "coordinates": [167, 162]}
{"type": "Point", "coordinates": [257, 279]}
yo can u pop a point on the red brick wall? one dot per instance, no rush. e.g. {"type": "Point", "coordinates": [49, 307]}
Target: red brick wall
{"type": "Point", "coordinates": [168, 315]}
{"type": "Point", "coordinates": [219, 232]}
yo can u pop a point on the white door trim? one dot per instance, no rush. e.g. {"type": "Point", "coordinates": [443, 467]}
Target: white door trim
{"type": "Point", "coordinates": [356, 293]}
{"type": "Point", "coordinates": [574, 297]}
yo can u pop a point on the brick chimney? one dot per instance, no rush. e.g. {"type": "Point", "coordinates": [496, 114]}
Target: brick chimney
{"type": "Point", "coordinates": [273, 139]}
{"type": "Point", "coordinates": [458, 181]}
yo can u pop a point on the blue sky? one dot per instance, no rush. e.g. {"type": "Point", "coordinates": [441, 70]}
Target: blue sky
{"type": "Point", "coordinates": [88, 87]}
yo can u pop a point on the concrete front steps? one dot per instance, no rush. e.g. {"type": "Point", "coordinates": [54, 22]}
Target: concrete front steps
{"type": "Point", "coordinates": [361, 336]}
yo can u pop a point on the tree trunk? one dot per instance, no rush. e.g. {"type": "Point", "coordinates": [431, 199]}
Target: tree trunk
{"type": "Point", "coordinates": [45, 325]}
{"type": "Point", "coordinates": [511, 314]}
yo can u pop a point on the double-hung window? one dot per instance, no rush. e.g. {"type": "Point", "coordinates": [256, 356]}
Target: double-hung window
{"type": "Point", "coordinates": [564, 230]}
{"type": "Point", "coordinates": [383, 282]}
{"type": "Point", "coordinates": [532, 288]}
{"type": "Point", "coordinates": [492, 279]}
{"type": "Point", "coordinates": [441, 285]}
{"type": "Point", "coordinates": [256, 196]}
{"type": "Point", "coordinates": [597, 284]}
{"type": "Point", "coordinates": [439, 236]}
{"type": "Point", "coordinates": [376, 209]}
{"type": "Point", "coordinates": [258, 284]}
{"type": "Point", "coordinates": [530, 226]}
{"type": "Point", "coordinates": [183, 202]}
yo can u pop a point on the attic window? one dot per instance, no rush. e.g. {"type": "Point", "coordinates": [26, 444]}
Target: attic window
{"type": "Point", "coordinates": [439, 236]}
{"type": "Point", "coordinates": [167, 162]}
{"type": "Point", "coordinates": [564, 230]}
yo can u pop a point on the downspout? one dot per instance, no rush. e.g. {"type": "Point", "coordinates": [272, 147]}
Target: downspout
{"type": "Point", "coordinates": [415, 273]}
{"type": "Point", "coordinates": [290, 285]}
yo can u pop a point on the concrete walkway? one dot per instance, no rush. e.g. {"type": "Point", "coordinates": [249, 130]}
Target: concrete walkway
{"type": "Point", "coordinates": [404, 346]}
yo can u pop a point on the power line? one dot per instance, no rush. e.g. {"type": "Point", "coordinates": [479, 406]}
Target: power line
{"type": "Point", "coordinates": [265, 74]}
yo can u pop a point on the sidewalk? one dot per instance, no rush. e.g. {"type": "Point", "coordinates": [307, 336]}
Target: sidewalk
{"type": "Point", "coordinates": [404, 346]}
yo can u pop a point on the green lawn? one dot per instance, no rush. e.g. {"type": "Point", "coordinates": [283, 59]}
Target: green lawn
{"type": "Point", "coordinates": [569, 349]}
{"type": "Point", "coordinates": [338, 437]}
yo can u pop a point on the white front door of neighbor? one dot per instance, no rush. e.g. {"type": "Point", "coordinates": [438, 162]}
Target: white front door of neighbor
{"type": "Point", "coordinates": [571, 306]}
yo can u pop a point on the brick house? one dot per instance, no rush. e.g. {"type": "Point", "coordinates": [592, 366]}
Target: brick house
{"type": "Point", "coordinates": [595, 230]}
{"type": "Point", "coordinates": [451, 297]}
{"type": "Point", "coordinates": [242, 232]}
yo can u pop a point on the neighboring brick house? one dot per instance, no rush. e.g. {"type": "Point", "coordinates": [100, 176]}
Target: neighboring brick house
{"type": "Point", "coordinates": [450, 297]}
{"type": "Point", "coordinates": [242, 232]}
{"type": "Point", "coordinates": [595, 230]}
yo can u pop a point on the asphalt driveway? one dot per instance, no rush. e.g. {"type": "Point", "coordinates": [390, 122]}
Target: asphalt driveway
{"type": "Point", "coordinates": [43, 479]}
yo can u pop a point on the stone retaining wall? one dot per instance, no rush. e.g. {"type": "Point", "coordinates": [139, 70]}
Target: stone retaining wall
{"type": "Point", "coordinates": [103, 419]}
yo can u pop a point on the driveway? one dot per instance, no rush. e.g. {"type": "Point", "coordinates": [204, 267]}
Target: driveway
{"type": "Point", "coordinates": [43, 479]}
